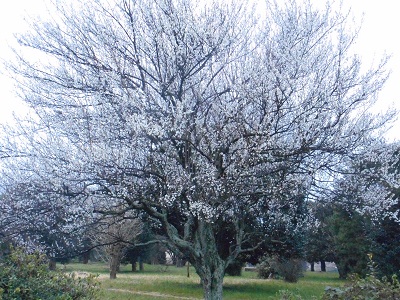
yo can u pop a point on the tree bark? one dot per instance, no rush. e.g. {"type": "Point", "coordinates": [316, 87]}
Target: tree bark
{"type": "Point", "coordinates": [211, 278]}
{"type": "Point", "coordinates": [208, 264]}
{"type": "Point", "coordinates": [114, 262]}
{"type": "Point", "coordinates": [85, 257]}
{"type": "Point", "coordinates": [214, 290]}
{"type": "Point", "coordinates": [141, 267]}
{"type": "Point", "coordinates": [323, 266]}
{"type": "Point", "coordinates": [312, 267]}
{"type": "Point", "coordinates": [134, 269]}
{"type": "Point", "coordinates": [212, 281]}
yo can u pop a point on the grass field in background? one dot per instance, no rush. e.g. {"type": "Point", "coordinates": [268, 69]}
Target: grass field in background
{"type": "Point", "coordinates": [170, 283]}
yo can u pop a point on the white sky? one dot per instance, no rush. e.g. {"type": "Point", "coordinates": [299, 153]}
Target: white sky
{"type": "Point", "coordinates": [378, 35]}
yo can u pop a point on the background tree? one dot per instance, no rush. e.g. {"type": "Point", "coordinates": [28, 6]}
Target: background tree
{"type": "Point", "coordinates": [382, 171]}
{"type": "Point", "coordinates": [385, 235]}
{"type": "Point", "coordinates": [318, 238]}
{"type": "Point", "coordinates": [141, 250]}
{"type": "Point", "coordinates": [39, 222]}
{"type": "Point", "coordinates": [385, 247]}
{"type": "Point", "coordinates": [195, 114]}
{"type": "Point", "coordinates": [365, 216]}
{"type": "Point", "coordinates": [350, 241]}
{"type": "Point", "coordinates": [115, 234]}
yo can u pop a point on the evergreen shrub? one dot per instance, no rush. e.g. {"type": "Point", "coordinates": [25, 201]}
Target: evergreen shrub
{"type": "Point", "coordinates": [26, 276]}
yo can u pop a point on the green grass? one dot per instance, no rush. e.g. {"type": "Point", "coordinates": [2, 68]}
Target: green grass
{"type": "Point", "coordinates": [158, 283]}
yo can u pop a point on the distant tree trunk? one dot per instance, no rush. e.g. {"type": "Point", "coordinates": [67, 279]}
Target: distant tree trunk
{"type": "Point", "coordinates": [141, 267]}
{"type": "Point", "coordinates": [133, 263]}
{"type": "Point", "coordinates": [323, 266]}
{"type": "Point", "coordinates": [52, 264]}
{"type": "Point", "coordinates": [312, 267]}
{"type": "Point", "coordinates": [114, 262]}
{"type": "Point", "coordinates": [85, 257]}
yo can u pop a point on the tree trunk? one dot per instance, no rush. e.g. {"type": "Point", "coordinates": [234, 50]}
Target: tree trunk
{"type": "Point", "coordinates": [133, 266]}
{"type": "Point", "coordinates": [211, 278]}
{"type": "Point", "coordinates": [141, 267]}
{"type": "Point", "coordinates": [85, 257]}
{"type": "Point", "coordinates": [323, 266]}
{"type": "Point", "coordinates": [114, 262]}
{"type": "Point", "coordinates": [312, 267]}
{"type": "Point", "coordinates": [209, 265]}
{"type": "Point", "coordinates": [212, 284]}
{"type": "Point", "coordinates": [341, 269]}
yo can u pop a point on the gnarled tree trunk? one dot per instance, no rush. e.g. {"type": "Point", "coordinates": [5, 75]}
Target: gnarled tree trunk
{"type": "Point", "coordinates": [208, 263]}
{"type": "Point", "coordinates": [212, 279]}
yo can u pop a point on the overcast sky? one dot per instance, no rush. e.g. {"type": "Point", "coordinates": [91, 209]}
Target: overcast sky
{"type": "Point", "coordinates": [379, 34]}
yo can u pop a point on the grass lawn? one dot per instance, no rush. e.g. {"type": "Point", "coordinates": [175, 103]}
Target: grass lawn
{"type": "Point", "coordinates": [172, 283]}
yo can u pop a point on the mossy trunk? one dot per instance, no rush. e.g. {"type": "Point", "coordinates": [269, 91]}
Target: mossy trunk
{"type": "Point", "coordinates": [212, 281]}
{"type": "Point", "coordinates": [209, 265]}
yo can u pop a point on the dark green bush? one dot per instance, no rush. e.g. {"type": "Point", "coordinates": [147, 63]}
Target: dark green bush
{"type": "Point", "coordinates": [290, 269]}
{"type": "Point", "coordinates": [234, 269]}
{"type": "Point", "coordinates": [26, 277]}
{"type": "Point", "coordinates": [265, 270]}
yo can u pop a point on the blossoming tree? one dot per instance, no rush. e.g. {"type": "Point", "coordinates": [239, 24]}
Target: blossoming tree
{"type": "Point", "coordinates": [197, 114]}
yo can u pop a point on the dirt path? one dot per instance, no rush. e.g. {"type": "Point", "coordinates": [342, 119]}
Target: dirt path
{"type": "Point", "coordinates": [153, 294]}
